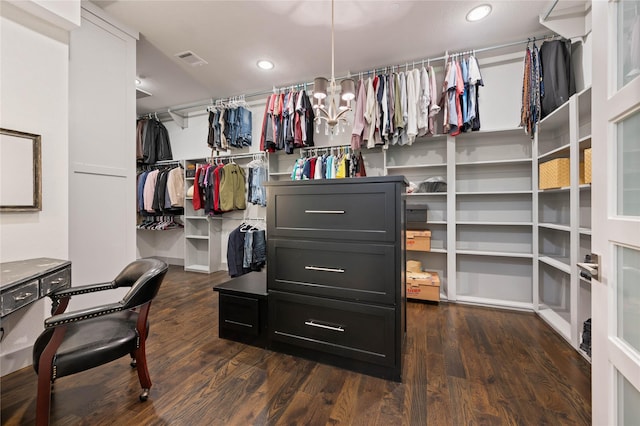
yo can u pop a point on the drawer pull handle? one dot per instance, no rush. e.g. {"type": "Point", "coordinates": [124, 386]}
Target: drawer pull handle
{"type": "Point", "coordinates": [324, 211]}
{"type": "Point", "coordinates": [328, 327]}
{"type": "Point", "coordinates": [57, 281]}
{"type": "Point", "coordinates": [22, 297]}
{"type": "Point", "coordinates": [238, 323]}
{"type": "Point", "coordinates": [320, 268]}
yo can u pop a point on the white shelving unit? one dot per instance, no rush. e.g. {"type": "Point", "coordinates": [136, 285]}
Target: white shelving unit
{"type": "Point", "coordinates": [201, 234]}
{"type": "Point", "coordinates": [563, 218]}
{"type": "Point", "coordinates": [493, 218]}
{"type": "Point", "coordinates": [426, 158]}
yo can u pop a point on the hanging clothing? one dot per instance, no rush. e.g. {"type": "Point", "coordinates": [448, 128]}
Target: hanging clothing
{"type": "Point", "coordinates": [558, 80]}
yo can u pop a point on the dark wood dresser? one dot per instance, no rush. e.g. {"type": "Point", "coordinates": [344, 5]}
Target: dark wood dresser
{"type": "Point", "coordinates": [335, 256]}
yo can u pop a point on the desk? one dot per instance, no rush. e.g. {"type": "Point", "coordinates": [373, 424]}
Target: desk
{"type": "Point", "coordinates": [24, 281]}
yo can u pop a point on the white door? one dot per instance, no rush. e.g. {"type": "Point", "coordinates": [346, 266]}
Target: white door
{"type": "Point", "coordinates": [616, 212]}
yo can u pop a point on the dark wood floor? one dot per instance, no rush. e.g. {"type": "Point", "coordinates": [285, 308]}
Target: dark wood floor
{"type": "Point", "coordinates": [463, 366]}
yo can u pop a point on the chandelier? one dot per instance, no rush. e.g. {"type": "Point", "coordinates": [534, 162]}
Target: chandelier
{"type": "Point", "coordinates": [324, 92]}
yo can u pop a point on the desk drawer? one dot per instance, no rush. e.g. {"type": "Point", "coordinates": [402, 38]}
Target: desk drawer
{"type": "Point", "coordinates": [362, 272]}
{"type": "Point", "coordinates": [19, 296]}
{"type": "Point", "coordinates": [355, 212]}
{"type": "Point", "coordinates": [347, 329]}
{"type": "Point", "coordinates": [59, 279]}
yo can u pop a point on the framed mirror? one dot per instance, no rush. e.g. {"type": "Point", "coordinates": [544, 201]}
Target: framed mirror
{"type": "Point", "coordinates": [20, 171]}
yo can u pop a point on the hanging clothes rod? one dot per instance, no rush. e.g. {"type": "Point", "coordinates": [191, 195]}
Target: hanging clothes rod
{"type": "Point", "coordinates": [211, 102]}
{"type": "Point", "coordinates": [237, 156]}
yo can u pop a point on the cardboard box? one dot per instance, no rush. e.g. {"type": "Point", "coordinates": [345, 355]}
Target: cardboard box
{"type": "Point", "coordinates": [419, 240]}
{"type": "Point", "coordinates": [554, 174]}
{"type": "Point", "coordinates": [424, 289]}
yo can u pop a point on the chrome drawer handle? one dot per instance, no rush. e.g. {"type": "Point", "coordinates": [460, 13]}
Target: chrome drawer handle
{"type": "Point", "coordinates": [238, 323]}
{"type": "Point", "coordinates": [320, 268]}
{"type": "Point", "coordinates": [57, 281]}
{"type": "Point", "coordinates": [324, 211]}
{"type": "Point", "coordinates": [22, 297]}
{"type": "Point", "coordinates": [328, 327]}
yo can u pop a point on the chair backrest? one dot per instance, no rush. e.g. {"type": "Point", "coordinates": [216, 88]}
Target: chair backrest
{"type": "Point", "coordinates": [144, 276]}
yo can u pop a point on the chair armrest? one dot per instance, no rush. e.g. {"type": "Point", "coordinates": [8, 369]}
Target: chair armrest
{"type": "Point", "coordinates": [83, 314]}
{"type": "Point", "coordinates": [83, 289]}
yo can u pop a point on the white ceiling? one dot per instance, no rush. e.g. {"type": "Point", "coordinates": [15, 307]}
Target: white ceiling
{"type": "Point", "coordinates": [296, 35]}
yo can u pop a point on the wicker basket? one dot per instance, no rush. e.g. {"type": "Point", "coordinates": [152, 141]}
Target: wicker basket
{"type": "Point", "coordinates": [554, 174]}
{"type": "Point", "coordinates": [587, 165]}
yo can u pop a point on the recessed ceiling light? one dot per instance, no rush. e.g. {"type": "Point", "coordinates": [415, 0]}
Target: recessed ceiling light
{"type": "Point", "coordinates": [479, 12]}
{"type": "Point", "coordinates": [264, 64]}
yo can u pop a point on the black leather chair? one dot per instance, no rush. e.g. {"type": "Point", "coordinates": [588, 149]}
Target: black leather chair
{"type": "Point", "coordinates": [80, 340]}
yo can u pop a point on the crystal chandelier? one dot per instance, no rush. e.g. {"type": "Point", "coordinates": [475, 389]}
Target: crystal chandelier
{"type": "Point", "coordinates": [324, 92]}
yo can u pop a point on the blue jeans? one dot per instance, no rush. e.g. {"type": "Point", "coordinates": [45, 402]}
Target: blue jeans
{"type": "Point", "coordinates": [243, 126]}
{"type": "Point", "coordinates": [258, 177]}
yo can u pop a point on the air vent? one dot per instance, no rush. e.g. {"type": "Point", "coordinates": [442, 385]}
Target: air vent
{"type": "Point", "coordinates": [142, 94]}
{"type": "Point", "coordinates": [191, 58]}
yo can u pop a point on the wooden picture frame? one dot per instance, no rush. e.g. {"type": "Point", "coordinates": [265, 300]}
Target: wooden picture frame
{"type": "Point", "coordinates": [20, 171]}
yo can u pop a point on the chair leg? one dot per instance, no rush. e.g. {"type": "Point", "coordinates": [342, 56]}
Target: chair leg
{"type": "Point", "coordinates": [43, 403]}
{"type": "Point", "coordinates": [143, 371]}
{"type": "Point", "coordinates": [45, 369]}
{"type": "Point", "coordinates": [133, 360]}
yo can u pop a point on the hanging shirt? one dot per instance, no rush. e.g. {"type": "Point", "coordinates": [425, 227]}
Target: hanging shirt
{"type": "Point", "coordinates": [402, 140]}
{"type": "Point", "coordinates": [423, 103]}
{"type": "Point", "coordinates": [434, 108]}
{"type": "Point", "coordinates": [412, 113]}
{"type": "Point", "coordinates": [358, 116]}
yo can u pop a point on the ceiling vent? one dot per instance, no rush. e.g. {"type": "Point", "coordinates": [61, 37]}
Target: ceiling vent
{"type": "Point", "coordinates": [191, 58]}
{"type": "Point", "coordinates": [142, 93]}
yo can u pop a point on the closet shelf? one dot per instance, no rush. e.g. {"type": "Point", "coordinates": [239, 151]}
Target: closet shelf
{"type": "Point", "coordinates": [585, 186]}
{"type": "Point", "coordinates": [548, 191]}
{"type": "Point", "coordinates": [482, 223]}
{"type": "Point", "coordinates": [562, 265]}
{"type": "Point", "coordinates": [493, 192]}
{"type": "Point", "coordinates": [196, 268]}
{"type": "Point", "coordinates": [425, 194]}
{"type": "Point", "coordinates": [555, 152]}
{"type": "Point", "coordinates": [438, 250]}
{"type": "Point", "coordinates": [417, 166]}
{"type": "Point", "coordinates": [436, 222]}
{"type": "Point", "coordinates": [196, 217]}
{"type": "Point", "coordinates": [484, 301]}
{"type": "Point", "coordinates": [557, 119]}
{"type": "Point", "coordinates": [197, 237]}
{"type": "Point", "coordinates": [280, 173]}
{"type": "Point", "coordinates": [494, 253]}
{"type": "Point", "coordinates": [556, 321]}
{"type": "Point", "coordinates": [495, 162]}
{"type": "Point", "coordinates": [555, 226]}
{"type": "Point", "coordinates": [582, 141]}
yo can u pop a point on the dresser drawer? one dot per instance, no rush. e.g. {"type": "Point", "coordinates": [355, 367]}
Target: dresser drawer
{"type": "Point", "coordinates": [239, 314]}
{"type": "Point", "coordinates": [19, 296]}
{"type": "Point", "coordinates": [54, 281]}
{"type": "Point", "coordinates": [363, 272]}
{"type": "Point", "coordinates": [347, 329]}
{"type": "Point", "coordinates": [350, 212]}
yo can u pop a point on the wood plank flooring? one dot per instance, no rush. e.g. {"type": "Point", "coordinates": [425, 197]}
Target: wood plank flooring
{"type": "Point", "coordinates": [462, 366]}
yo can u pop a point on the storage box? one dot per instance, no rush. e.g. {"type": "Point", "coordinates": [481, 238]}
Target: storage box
{"type": "Point", "coordinates": [554, 174]}
{"type": "Point", "coordinates": [424, 289]}
{"type": "Point", "coordinates": [587, 165]}
{"type": "Point", "coordinates": [419, 240]}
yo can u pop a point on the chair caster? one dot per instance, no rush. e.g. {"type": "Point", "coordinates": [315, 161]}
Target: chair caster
{"type": "Point", "coordinates": [133, 363]}
{"type": "Point", "coordinates": [144, 395]}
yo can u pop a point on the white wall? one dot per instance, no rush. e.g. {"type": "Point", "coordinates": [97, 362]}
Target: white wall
{"type": "Point", "coordinates": [34, 98]}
